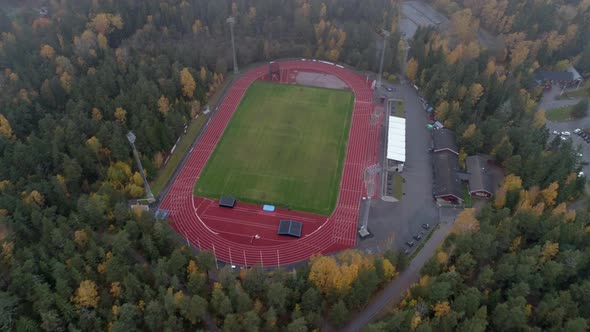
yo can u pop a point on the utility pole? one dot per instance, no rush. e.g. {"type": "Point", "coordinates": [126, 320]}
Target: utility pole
{"type": "Point", "coordinates": [232, 21]}
{"type": "Point", "coordinates": [150, 197]}
{"type": "Point", "coordinates": [385, 37]}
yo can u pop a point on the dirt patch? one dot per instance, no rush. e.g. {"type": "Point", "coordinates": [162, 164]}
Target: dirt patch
{"type": "Point", "coordinates": [319, 80]}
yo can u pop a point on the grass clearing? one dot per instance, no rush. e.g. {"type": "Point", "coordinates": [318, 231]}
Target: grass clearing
{"type": "Point", "coordinates": [467, 199]}
{"type": "Point", "coordinates": [398, 186]}
{"type": "Point", "coordinates": [583, 91]}
{"type": "Point", "coordinates": [284, 145]}
{"type": "Point", "coordinates": [400, 109]}
{"type": "Point", "coordinates": [185, 142]}
{"type": "Point", "coordinates": [560, 114]}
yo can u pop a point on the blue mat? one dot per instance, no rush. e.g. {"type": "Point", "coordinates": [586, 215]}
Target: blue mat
{"type": "Point", "coordinates": [268, 208]}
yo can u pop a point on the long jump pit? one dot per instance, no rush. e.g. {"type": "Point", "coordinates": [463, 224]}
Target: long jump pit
{"type": "Point", "coordinates": [246, 235]}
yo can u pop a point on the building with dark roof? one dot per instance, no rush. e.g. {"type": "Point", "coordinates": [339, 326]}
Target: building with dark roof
{"type": "Point", "coordinates": [481, 182]}
{"type": "Point", "coordinates": [553, 76]}
{"type": "Point", "coordinates": [567, 78]}
{"type": "Point", "coordinates": [290, 228]}
{"type": "Point", "coordinates": [444, 140]}
{"type": "Point", "coordinates": [227, 202]}
{"type": "Point", "coordinates": [575, 73]}
{"type": "Point", "coordinates": [447, 185]}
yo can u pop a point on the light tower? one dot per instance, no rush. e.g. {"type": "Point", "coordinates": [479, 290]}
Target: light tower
{"type": "Point", "coordinates": [232, 21]}
{"type": "Point", "coordinates": [385, 37]}
{"type": "Point", "coordinates": [150, 197]}
{"type": "Point", "coordinates": [405, 47]}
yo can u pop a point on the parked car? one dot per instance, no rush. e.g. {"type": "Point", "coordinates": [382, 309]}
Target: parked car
{"type": "Point", "coordinates": [565, 133]}
{"type": "Point", "coordinates": [577, 131]}
{"type": "Point", "coordinates": [583, 135]}
{"type": "Point", "coordinates": [426, 226]}
{"type": "Point", "coordinates": [417, 237]}
{"type": "Point", "coordinates": [407, 252]}
{"type": "Point", "coordinates": [410, 244]}
{"type": "Point", "coordinates": [580, 155]}
{"type": "Point", "coordinates": [563, 138]}
{"type": "Point", "coordinates": [555, 132]}
{"type": "Point", "coordinates": [390, 89]}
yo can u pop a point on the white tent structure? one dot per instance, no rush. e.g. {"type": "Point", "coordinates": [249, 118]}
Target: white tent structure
{"type": "Point", "coordinates": [396, 140]}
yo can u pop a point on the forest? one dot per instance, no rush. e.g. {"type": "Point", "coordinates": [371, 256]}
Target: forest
{"type": "Point", "coordinates": [520, 262]}
{"type": "Point", "coordinates": [76, 77]}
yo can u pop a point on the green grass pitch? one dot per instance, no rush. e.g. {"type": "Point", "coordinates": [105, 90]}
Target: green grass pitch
{"type": "Point", "coordinates": [285, 145]}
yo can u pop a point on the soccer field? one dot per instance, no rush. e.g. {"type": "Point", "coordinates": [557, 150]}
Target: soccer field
{"type": "Point", "coordinates": [284, 145]}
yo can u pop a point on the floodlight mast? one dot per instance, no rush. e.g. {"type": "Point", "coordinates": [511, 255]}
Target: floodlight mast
{"type": "Point", "coordinates": [385, 37]}
{"type": "Point", "coordinates": [150, 197]}
{"type": "Point", "coordinates": [406, 48]}
{"type": "Point", "coordinates": [231, 20]}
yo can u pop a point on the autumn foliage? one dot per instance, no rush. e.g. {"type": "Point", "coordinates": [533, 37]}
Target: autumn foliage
{"type": "Point", "coordinates": [188, 83]}
{"type": "Point", "coordinates": [5, 128]}
{"type": "Point", "coordinates": [466, 222]}
{"type": "Point", "coordinates": [338, 273]}
{"type": "Point", "coordinates": [86, 294]}
{"type": "Point", "coordinates": [412, 69]}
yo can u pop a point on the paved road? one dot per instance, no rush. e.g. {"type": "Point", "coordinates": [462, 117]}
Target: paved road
{"type": "Point", "coordinates": [397, 288]}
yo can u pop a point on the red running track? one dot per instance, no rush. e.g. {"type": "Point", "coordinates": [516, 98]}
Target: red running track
{"type": "Point", "coordinates": [231, 233]}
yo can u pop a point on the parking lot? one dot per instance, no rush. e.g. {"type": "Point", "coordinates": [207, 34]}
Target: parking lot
{"type": "Point", "coordinates": [394, 224]}
{"type": "Point", "coordinates": [579, 139]}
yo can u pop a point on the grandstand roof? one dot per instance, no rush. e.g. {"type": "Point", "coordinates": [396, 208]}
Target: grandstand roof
{"type": "Point", "coordinates": [396, 139]}
{"type": "Point", "coordinates": [227, 201]}
{"type": "Point", "coordinates": [290, 227]}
